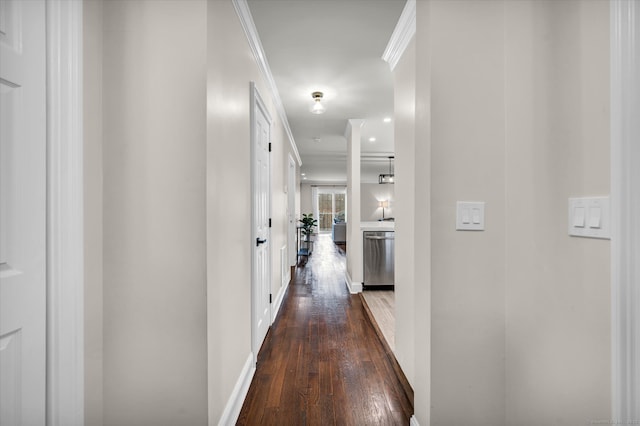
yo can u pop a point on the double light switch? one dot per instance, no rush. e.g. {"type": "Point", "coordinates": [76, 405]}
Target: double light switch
{"type": "Point", "coordinates": [470, 216]}
{"type": "Point", "coordinates": [589, 217]}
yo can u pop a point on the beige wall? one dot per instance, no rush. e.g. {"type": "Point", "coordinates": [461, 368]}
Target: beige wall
{"type": "Point", "coordinates": [404, 209]}
{"type": "Point", "coordinates": [93, 212]}
{"type": "Point", "coordinates": [511, 109]}
{"type": "Point", "coordinates": [306, 203]}
{"type": "Point", "coordinates": [468, 161]}
{"type": "Point", "coordinates": [370, 194]}
{"type": "Point", "coordinates": [231, 68]}
{"type": "Point", "coordinates": [154, 212]}
{"type": "Point", "coordinates": [167, 135]}
{"type": "Point", "coordinates": [558, 292]}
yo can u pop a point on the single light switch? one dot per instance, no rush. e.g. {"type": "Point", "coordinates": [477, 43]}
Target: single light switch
{"type": "Point", "coordinates": [476, 216]}
{"type": "Point", "coordinates": [578, 217]}
{"type": "Point", "coordinates": [465, 216]}
{"type": "Point", "coordinates": [469, 216]}
{"type": "Point", "coordinates": [595, 214]}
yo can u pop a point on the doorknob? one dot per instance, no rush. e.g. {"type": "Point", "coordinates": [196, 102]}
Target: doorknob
{"type": "Point", "coordinates": [259, 241]}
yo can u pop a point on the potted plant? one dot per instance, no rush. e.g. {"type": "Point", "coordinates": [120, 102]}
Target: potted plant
{"type": "Point", "coordinates": [308, 225]}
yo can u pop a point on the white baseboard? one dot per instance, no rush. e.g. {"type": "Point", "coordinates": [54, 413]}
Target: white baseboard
{"type": "Point", "coordinates": [414, 421]}
{"type": "Point", "coordinates": [234, 404]}
{"type": "Point", "coordinates": [278, 301]}
{"type": "Point", "coordinates": [285, 273]}
{"type": "Point", "coordinates": [354, 287]}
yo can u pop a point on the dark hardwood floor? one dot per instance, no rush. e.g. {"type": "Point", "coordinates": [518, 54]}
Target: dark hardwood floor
{"type": "Point", "coordinates": [322, 362]}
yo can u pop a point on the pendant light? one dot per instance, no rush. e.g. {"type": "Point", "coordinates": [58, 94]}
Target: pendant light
{"type": "Point", "coordinates": [317, 107]}
{"type": "Point", "coordinates": [388, 177]}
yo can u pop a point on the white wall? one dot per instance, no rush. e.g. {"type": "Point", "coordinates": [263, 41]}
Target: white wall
{"type": "Point", "coordinates": [370, 195]}
{"type": "Point", "coordinates": [513, 111]}
{"type": "Point", "coordinates": [155, 358]}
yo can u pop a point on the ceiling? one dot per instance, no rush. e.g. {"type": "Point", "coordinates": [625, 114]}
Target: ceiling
{"type": "Point", "coordinates": [332, 46]}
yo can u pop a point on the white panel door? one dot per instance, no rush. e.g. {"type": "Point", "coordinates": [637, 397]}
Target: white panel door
{"type": "Point", "coordinates": [22, 212]}
{"type": "Point", "coordinates": [261, 287]}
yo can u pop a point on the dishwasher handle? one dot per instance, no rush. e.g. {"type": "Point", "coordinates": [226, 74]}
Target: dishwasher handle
{"type": "Point", "coordinates": [375, 237]}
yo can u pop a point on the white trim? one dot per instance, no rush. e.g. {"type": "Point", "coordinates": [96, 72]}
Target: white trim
{"type": "Point", "coordinates": [402, 34]}
{"type": "Point", "coordinates": [249, 27]}
{"type": "Point", "coordinates": [353, 286]}
{"type": "Point", "coordinates": [292, 189]}
{"type": "Point", "coordinates": [414, 421]}
{"type": "Point", "coordinates": [277, 303]}
{"type": "Point", "coordinates": [239, 393]}
{"type": "Point", "coordinates": [65, 259]}
{"type": "Point", "coordinates": [285, 271]}
{"type": "Point", "coordinates": [625, 209]}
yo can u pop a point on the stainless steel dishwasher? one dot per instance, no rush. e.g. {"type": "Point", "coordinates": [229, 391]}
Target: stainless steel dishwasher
{"type": "Point", "coordinates": [379, 261]}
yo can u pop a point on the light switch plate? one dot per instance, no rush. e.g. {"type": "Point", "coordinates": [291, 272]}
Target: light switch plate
{"type": "Point", "coordinates": [470, 216]}
{"type": "Point", "coordinates": [589, 217]}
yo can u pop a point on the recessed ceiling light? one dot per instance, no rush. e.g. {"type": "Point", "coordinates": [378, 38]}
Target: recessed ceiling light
{"type": "Point", "coordinates": [303, 174]}
{"type": "Point", "coordinates": [304, 178]}
{"type": "Point", "coordinates": [316, 139]}
{"type": "Point", "coordinates": [387, 120]}
{"type": "Point", "coordinates": [372, 139]}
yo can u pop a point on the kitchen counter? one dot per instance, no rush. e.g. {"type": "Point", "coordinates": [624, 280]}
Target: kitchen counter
{"type": "Point", "coordinates": [386, 225]}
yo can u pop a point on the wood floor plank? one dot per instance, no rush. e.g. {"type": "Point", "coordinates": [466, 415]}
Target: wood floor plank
{"type": "Point", "coordinates": [322, 362]}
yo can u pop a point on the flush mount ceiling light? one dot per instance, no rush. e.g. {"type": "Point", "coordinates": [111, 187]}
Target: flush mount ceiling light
{"type": "Point", "coordinates": [388, 177]}
{"type": "Point", "coordinates": [317, 107]}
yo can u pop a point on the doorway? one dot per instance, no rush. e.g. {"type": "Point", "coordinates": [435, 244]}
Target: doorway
{"type": "Point", "coordinates": [330, 205]}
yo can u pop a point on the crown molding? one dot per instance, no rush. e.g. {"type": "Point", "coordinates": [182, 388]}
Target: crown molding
{"type": "Point", "coordinates": [402, 35]}
{"type": "Point", "coordinates": [249, 27]}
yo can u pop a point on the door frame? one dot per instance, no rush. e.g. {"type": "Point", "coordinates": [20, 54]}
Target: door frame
{"type": "Point", "coordinates": [291, 207]}
{"type": "Point", "coordinates": [65, 223]}
{"type": "Point", "coordinates": [258, 103]}
{"type": "Point", "coordinates": [625, 208]}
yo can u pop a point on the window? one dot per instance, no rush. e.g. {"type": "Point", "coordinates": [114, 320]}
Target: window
{"type": "Point", "coordinates": [330, 206]}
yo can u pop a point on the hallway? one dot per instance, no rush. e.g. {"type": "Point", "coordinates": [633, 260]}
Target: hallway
{"type": "Point", "coordinates": [322, 362]}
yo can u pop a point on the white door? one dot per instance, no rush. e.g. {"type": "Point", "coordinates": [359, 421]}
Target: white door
{"type": "Point", "coordinates": [291, 212]}
{"type": "Point", "coordinates": [261, 286]}
{"type": "Point", "coordinates": [22, 212]}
